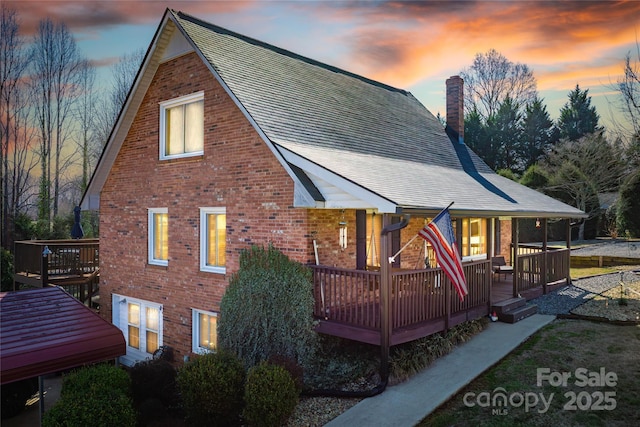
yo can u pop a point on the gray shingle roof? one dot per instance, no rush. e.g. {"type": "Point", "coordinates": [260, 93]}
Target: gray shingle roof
{"type": "Point", "coordinates": [376, 136]}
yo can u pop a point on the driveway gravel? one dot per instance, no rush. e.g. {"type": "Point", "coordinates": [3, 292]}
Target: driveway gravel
{"type": "Point", "coordinates": [563, 300]}
{"type": "Point", "coordinates": [617, 248]}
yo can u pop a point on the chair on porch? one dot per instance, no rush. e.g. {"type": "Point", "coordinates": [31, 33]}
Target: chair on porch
{"type": "Point", "coordinates": [499, 266]}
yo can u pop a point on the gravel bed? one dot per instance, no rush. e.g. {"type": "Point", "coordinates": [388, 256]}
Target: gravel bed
{"type": "Point", "coordinates": [617, 248]}
{"type": "Point", "coordinates": [563, 300]}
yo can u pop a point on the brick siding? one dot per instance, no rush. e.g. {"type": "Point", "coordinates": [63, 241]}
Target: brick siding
{"type": "Point", "coordinates": [237, 171]}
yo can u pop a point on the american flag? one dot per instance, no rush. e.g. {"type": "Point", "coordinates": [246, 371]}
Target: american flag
{"type": "Point", "coordinates": [439, 233]}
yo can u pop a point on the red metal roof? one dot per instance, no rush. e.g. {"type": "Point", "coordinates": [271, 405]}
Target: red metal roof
{"type": "Point", "coordinates": [47, 330]}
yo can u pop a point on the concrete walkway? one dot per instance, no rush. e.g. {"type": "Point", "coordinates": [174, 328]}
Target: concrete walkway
{"type": "Point", "coordinates": [407, 403]}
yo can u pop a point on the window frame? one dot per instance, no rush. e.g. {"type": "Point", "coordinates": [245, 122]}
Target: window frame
{"type": "Point", "coordinates": [204, 233]}
{"type": "Point", "coordinates": [120, 318]}
{"type": "Point", "coordinates": [176, 102]}
{"type": "Point", "coordinates": [195, 331]}
{"type": "Point", "coordinates": [151, 234]}
{"type": "Point", "coordinates": [468, 243]}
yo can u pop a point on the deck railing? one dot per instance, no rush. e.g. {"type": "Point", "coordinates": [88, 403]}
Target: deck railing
{"type": "Point", "coordinates": [531, 266]}
{"type": "Point", "coordinates": [67, 256]}
{"type": "Point", "coordinates": [349, 296]}
{"type": "Point", "coordinates": [72, 264]}
{"type": "Point", "coordinates": [353, 296]}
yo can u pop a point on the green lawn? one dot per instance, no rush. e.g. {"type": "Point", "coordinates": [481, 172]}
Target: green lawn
{"type": "Point", "coordinates": [602, 381]}
{"type": "Point", "coordinates": [578, 272]}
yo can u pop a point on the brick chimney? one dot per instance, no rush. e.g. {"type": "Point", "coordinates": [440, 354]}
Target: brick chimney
{"type": "Point", "coordinates": [455, 106]}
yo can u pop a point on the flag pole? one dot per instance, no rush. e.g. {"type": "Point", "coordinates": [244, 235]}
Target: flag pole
{"type": "Point", "coordinates": [392, 259]}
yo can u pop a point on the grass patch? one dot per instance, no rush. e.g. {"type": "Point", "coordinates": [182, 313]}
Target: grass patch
{"type": "Point", "coordinates": [562, 346]}
{"type": "Point", "coordinates": [578, 272]}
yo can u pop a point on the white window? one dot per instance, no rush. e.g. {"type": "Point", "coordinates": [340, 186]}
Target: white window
{"type": "Point", "coordinates": [141, 324]}
{"type": "Point", "coordinates": [204, 331]}
{"type": "Point", "coordinates": [158, 239]}
{"type": "Point", "coordinates": [213, 234]}
{"type": "Point", "coordinates": [374, 227]}
{"type": "Point", "coordinates": [474, 238]}
{"type": "Point", "coordinates": [182, 126]}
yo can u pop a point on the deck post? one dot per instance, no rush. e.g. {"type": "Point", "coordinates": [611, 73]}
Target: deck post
{"type": "Point", "coordinates": [545, 251]}
{"type": "Point", "coordinates": [568, 266]}
{"type": "Point", "coordinates": [490, 254]}
{"type": "Point", "coordinates": [386, 324]}
{"type": "Point", "coordinates": [385, 296]}
{"type": "Point", "coordinates": [44, 270]}
{"type": "Point", "coordinates": [515, 236]}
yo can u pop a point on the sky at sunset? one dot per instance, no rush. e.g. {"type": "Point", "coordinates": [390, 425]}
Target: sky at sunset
{"type": "Point", "coordinates": [411, 45]}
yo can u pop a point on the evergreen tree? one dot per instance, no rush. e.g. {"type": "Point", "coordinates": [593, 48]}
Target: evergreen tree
{"type": "Point", "coordinates": [628, 212]}
{"type": "Point", "coordinates": [475, 137]}
{"type": "Point", "coordinates": [535, 177]}
{"type": "Point", "coordinates": [578, 117]}
{"type": "Point", "coordinates": [539, 133]}
{"type": "Point", "coordinates": [505, 133]}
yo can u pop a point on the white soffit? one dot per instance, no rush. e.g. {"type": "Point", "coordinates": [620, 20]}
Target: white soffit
{"type": "Point", "coordinates": [178, 46]}
{"type": "Point", "coordinates": [339, 193]}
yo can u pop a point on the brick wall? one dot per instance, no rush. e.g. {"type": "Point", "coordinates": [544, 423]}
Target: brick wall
{"type": "Point", "coordinates": [237, 171]}
{"type": "Point", "coordinates": [505, 240]}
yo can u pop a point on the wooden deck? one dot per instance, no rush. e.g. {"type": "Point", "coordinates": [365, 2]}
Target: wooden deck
{"type": "Point", "coordinates": [348, 302]}
{"type": "Point", "coordinates": [72, 265]}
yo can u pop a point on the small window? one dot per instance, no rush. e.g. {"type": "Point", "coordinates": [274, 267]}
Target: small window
{"type": "Point", "coordinates": [204, 331]}
{"type": "Point", "coordinates": [158, 236]}
{"type": "Point", "coordinates": [213, 234]}
{"type": "Point", "coordinates": [182, 127]}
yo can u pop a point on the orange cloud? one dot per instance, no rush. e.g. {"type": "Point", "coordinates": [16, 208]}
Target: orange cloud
{"type": "Point", "coordinates": [404, 43]}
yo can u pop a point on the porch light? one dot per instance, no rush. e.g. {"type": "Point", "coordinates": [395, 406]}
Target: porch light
{"type": "Point", "coordinates": [343, 237]}
{"type": "Point", "coordinates": [343, 232]}
{"type": "Point", "coordinates": [537, 222]}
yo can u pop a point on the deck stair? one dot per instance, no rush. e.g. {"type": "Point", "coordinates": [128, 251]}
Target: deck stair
{"type": "Point", "coordinates": [513, 310]}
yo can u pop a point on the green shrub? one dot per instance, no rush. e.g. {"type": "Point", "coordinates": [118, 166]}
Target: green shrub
{"type": "Point", "coordinates": [294, 369]}
{"type": "Point", "coordinates": [6, 269]}
{"type": "Point", "coordinates": [94, 396]}
{"type": "Point", "coordinates": [628, 214]}
{"type": "Point", "coordinates": [154, 390]}
{"type": "Point", "coordinates": [339, 362]}
{"type": "Point", "coordinates": [270, 395]}
{"type": "Point", "coordinates": [96, 378]}
{"type": "Point", "coordinates": [212, 386]}
{"type": "Point", "coordinates": [412, 357]}
{"type": "Point", "coordinates": [268, 308]}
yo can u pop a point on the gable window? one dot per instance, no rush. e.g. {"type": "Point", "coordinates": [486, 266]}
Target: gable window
{"type": "Point", "coordinates": [141, 324]}
{"type": "Point", "coordinates": [213, 245]}
{"type": "Point", "coordinates": [182, 127]}
{"type": "Point", "coordinates": [158, 236]}
{"type": "Point", "coordinates": [204, 331]}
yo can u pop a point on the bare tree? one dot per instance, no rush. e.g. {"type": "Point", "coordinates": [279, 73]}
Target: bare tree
{"type": "Point", "coordinates": [55, 77]}
{"type": "Point", "coordinates": [123, 75]}
{"type": "Point", "coordinates": [85, 111]}
{"type": "Point", "coordinates": [579, 170]}
{"type": "Point", "coordinates": [14, 144]}
{"type": "Point", "coordinates": [491, 78]}
{"type": "Point", "coordinates": [629, 87]}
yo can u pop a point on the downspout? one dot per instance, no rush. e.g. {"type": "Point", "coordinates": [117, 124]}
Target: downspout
{"type": "Point", "coordinates": [385, 313]}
